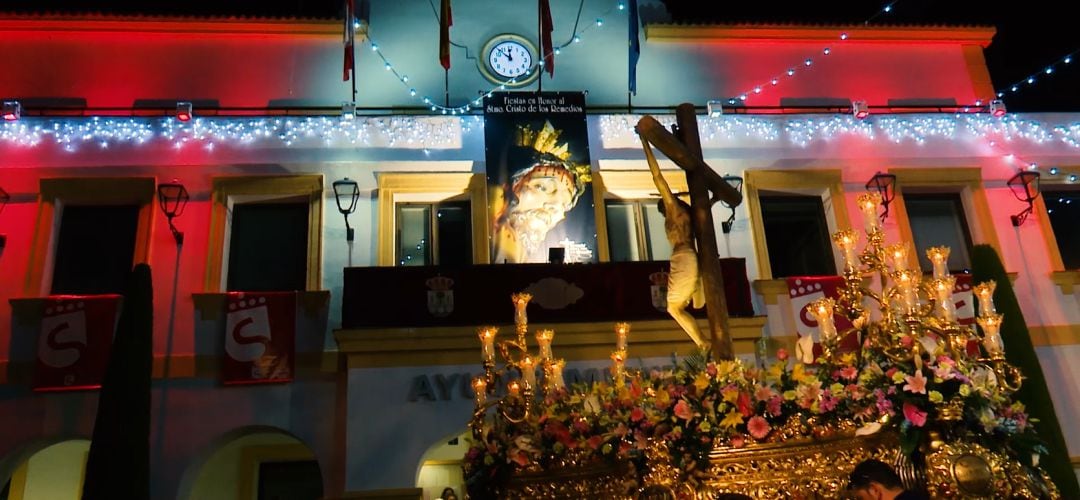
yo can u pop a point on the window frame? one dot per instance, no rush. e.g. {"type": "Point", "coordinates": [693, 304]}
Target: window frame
{"type": "Point", "coordinates": [430, 187]}
{"type": "Point", "coordinates": [826, 183]}
{"type": "Point", "coordinates": [58, 191]}
{"type": "Point", "coordinates": [230, 190]}
{"type": "Point", "coordinates": [1059, 182]}
{"type": "Point", "coordinates": [433, 224]}
{"type": "Point", "coordinates": [965, 181]}
{"type": "Point", "coordinates": [627, 185]}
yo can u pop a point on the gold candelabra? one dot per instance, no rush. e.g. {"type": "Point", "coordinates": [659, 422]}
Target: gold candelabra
{"type": "Point", "coordinates": [907, 303]}
{"type": "Point", "coordinates": [516, 405]}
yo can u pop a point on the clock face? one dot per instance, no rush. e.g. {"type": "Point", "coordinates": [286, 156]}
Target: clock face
{"type": "Point", "coordinates": [508, 56]}
{"type": "Point", "coordinates": [509, 59]}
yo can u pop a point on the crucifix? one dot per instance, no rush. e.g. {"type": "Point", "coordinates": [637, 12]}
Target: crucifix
{"type": "Point", "coordinates": [683, 146]}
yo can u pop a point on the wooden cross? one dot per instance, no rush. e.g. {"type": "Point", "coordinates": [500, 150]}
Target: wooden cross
{"type": "Point", "coordinates": [684, 148]}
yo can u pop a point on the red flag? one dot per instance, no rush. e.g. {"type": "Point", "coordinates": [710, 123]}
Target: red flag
{"type": "Point", "coordinates": [350, 38]}
{"type": "Point", "coordinates": [260, 333]}
{"type": "Point", "coordinates": [74, 342]}
{"type": "Point", "coordinates": [545, 37]}
{"type": "Point", "coordinates": [446, 20]}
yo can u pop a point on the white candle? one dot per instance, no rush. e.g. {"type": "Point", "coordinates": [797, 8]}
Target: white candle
{"type": "Point", "coordinates": [943, 288]}
{"type": "Point", "coordinates": [907, 281]}
{"type": "Point", "coordinates": [868, 203]}
{"type": "Point", "coordinates": [991, 326]}
{"type": "Point", "coordinates": [985, 292]}
{"type": "Point", "coordinates": [822, 310]}
{"type": "Point", "coordinates": [939, 257]}
{"type": "Point", "coordinates": [622, 330]}
{"type": "Point", "coordinates": [521, 302]}
{"type": "Point", "coordinates": [528, 371]}
{"type": "Point", "coordinates": [845, 240]}
{"type": "Point", "coordinates": [543, 339]}
{"type": "Point", "coordinates": [557, 374]}
{"type": "Point", "coordinates": [898, 254]}
{"type": "Point", "coordinates": [480, 389]}
{"type": "Point", "coordinates": [487, 342]}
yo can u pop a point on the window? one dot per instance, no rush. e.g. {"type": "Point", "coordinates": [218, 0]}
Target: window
{"type": "Point", "coordinates": [629, 217]}
{"type": "Point", "coordinates": [797, 235]}
{"type": "Point", "coordinates": [943, 207]}
{"type": "Point", "coordinates": [635, 230]}
{"type": "Point", "coordinates": [938, 220]}
{"type": "Point", "coordinates": [268, 236]}
{"type": "Point", "coordinates": [798, 211]}
{"type": "Point", "coordinates": [95, 249]}
{"type": "Point", "coordinates": [1063, 209]}
{"type": "Point", "coordinates": [444, 213]}
{"type": "Point", "coordinates": [91, 231]}
{"type": "Point", "coordinates": [259, 223]}
{"type": "Point", "coordinates": [437, 233]}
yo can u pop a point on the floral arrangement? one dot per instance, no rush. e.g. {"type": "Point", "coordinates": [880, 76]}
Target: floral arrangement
{"type": "Point", "coordinates": [703, 404]}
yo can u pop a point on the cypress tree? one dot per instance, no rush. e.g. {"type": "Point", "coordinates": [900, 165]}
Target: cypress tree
{"type": "Point", "coordinates": [1020, 352]}
{"type": "Point", "coordinates": [118, 465]}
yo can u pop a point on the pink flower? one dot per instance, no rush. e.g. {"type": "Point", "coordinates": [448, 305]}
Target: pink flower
{"type": "Point", "coordinates": [782, 354]}
{"type": "Point", "coordinates": [710, 369]}
{"type": "Point", "coordinates": [907, 340]}
{"type": "Point", "coordinates": [916, 384]}
{"type": "Point", "coordinates": [738, 441]}
{"type": "Point", "coordinates": [637, 414]}
{"type": "Point", "coordinates": [849, 373]}
{"type": "Point", "coordinates": [758, 427]}
{"type": "Point", "coordinates": [828, 403]}
{"type": "Point", "coordinates": [683, 410]}
{"type": "Point", "coordinates": [914, 415]}
{"type": "Point", "coordinates": [773, 406]}
{"type": "Point", "coordinates": [763, 393]}
{"type": "Point", "coordinates": [884, 406]}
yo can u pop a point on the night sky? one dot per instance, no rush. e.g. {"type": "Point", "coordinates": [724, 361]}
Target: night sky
{"type": "Point", "coordinates": [1032, 35]}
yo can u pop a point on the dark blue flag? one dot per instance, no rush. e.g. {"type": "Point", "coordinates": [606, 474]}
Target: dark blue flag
{"type": "Point", "coordinates": [635, 45]}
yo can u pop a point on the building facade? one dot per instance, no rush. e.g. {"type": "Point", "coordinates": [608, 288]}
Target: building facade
{"type": "Point", "coordinates": [378, 398]}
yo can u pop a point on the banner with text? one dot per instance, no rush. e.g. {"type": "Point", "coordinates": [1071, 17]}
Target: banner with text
{"type": "Point", "coordinates": [260, 333]}
{"type": "Point", "coordinates": [74, 342]}
{"type": "Point", "coordinates": [539, 177]}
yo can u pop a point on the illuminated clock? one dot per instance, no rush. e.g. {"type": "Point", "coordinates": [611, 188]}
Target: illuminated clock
{"type": "Point", "coordinates": [509, 57]}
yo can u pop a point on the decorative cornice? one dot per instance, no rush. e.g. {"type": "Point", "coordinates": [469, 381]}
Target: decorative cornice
{"type": "Point", "coordinates": [372, 348]}
{"type": "Point", "coordinates": [856, 34]}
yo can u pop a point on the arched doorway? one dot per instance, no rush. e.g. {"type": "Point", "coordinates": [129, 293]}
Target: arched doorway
{"type": "Point", "coordinates": [254, 463]}
{"type": "Point", "coordinates": [48, 471]}
{"type": "Point", "coordinates": [440, 467]}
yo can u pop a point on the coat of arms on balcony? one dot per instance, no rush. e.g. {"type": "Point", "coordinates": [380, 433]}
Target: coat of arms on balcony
{"type": "Point", "coordinates": [658, 290]}
{"type": "Point", "coordinates": [440, 296]}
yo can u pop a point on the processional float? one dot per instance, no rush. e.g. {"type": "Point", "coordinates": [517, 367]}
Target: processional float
{"type": "Point", "coordinates": [921, 391]}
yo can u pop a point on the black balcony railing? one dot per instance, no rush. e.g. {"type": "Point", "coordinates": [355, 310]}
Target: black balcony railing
{"type": "Point", "coordinates": [389, 297]}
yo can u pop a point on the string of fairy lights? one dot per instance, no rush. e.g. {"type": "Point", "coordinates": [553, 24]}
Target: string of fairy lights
{"type": "Point", "coordinates": [807, 62]}
{"type": "Point", "coordinates": [447, 132]}
{"type": "Point", "coordinates": [576, 37]}
{"type": "Point", "coordinates": [1038, 76]}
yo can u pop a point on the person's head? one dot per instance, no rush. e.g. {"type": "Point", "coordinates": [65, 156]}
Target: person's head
{"type": "Point", "coordinates": [448, 494]}
{"type": "Point", "coordinates": [539, 195]}
{"type": "Point", "coordinates": [874, 480]}
{"type": "Point", "coordinates": [539, 198]}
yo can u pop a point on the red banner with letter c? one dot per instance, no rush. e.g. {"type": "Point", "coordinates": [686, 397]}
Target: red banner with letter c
{"type": "Point", "coordinates": [74, 341]}
{"type": "Point", "coordinates": [260, 333]}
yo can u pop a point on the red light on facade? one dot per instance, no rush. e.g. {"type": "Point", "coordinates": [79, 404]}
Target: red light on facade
{"type": "Point", "coordinates": [11, 110]}
{"type": "Point", "coordinates": [997, 108]}
{"type": "Point", "coordinates": [183, 111]}
{"type": "Point", "coordinates": [860, 109]}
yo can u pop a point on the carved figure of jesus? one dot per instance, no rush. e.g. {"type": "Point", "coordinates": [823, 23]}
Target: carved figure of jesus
{"type": "Point", "coordinates": [684, 283]}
